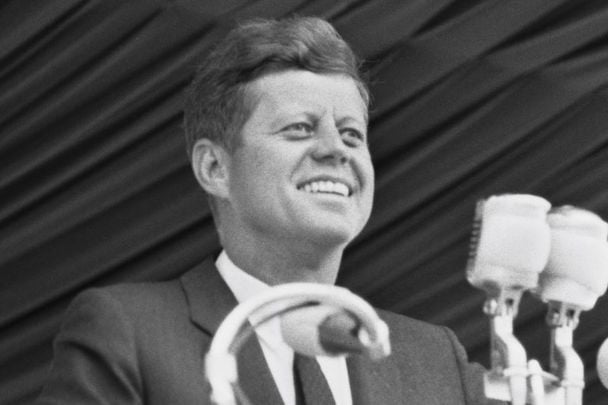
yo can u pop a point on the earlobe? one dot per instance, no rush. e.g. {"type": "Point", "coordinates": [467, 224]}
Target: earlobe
{"type": "Point", "coordinates": [209, 163]}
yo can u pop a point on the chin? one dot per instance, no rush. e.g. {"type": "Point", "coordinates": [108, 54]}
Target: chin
{"type": "Point", "coordinates": [328, 230]}
{"type": "Point", "coordinates": [334, 236]}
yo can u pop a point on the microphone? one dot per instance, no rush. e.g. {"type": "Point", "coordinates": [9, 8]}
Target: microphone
{"type": "Point", "coordinates": [509, 248]}
{"type": "Point", "coordinates": [562, 257]}
{"type": "Point", "coordinates": [509, 244]}
{"type": "Point", "coordinates": [332, 314]}
{"type": "Point", "coordinates": [576, 275]}
{"type": "Point", "coordinates": [602, 363]}
{"type": "Point", "coordinates": [322, 330]}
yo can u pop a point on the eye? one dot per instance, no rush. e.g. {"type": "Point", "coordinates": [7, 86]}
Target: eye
{"type": "Point", "coordinates": [352, 136]}
{"type": "Point", "coordinates": [298, 130]}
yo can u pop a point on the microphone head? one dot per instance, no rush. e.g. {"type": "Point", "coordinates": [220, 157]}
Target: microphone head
{"type": "Point", "coordinates": [602, 363]}
{"type": "Point", "coordinates": [305, 330]}
{"type": "Point", "coordinates": [510, 243]}
{"type": "Point", "coordinates": [577, 269]}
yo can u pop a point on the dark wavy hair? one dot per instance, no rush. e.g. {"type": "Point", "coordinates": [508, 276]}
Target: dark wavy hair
{"type": "Point", "coordinates": [217, 106]}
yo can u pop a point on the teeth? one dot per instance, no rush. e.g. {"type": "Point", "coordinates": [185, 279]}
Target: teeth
{"type": "Point", "coordinates": [326, 187]}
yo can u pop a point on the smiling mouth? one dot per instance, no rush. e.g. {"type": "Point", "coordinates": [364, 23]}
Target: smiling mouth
{"type": "Point", "coordinates": [326, 187]}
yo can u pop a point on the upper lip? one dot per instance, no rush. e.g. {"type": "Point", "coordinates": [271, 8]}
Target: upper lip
{"type": "Point", "coordinates": [348, 183]}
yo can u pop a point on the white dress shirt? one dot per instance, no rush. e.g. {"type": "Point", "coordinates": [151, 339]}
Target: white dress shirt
{"type": "Point", "coordinates": [277, 353]}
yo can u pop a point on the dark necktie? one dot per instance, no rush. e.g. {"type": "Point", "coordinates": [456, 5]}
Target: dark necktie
{"type": "Point", "coordinates": [310, 383]}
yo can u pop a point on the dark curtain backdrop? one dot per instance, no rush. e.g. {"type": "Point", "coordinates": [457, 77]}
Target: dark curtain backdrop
{"type": "Point", "coordinates": [471, 98]}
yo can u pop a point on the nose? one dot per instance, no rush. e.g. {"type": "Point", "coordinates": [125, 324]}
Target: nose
{"type": "Point", "coordinates": [329, 146]}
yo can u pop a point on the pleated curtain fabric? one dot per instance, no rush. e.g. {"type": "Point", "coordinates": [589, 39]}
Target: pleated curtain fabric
{"type": "Point", "coordinates": [310, 383]}
{"type": "Point", "coordinates": [470, 99]}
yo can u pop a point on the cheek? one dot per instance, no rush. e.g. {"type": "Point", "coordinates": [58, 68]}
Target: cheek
{"type": "Point", "coordinates": [367, 172]}
{"type": "Point", "coordinates": [371, 174]}
{"type": "Point", "coordinates": [275, 160]}
{"type": "Point", "coordinates": [259, 173]}
{"type": "Point", "coordinates": [263, 157]}
{"type": "Point", "coordinates": [249, 165]}
{"type": "Point", "coordinates": [369, 186]}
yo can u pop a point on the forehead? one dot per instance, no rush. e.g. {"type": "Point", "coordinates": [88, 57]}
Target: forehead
{"type": "Point", "coordinates": [293, 91]}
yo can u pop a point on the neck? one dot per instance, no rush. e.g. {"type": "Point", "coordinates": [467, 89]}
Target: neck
{"type": "Point", "coordinates": [286, 261]}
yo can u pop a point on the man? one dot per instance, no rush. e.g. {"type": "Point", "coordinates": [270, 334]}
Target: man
{"type": "Point", "coordinates": [276, 127]}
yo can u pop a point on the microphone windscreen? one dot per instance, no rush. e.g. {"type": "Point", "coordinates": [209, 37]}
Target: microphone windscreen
{"type": "Point", "coordinates": [510, 242]}
{"type": "Point", "coordinates": [602, 363]}
{"type": "Point", "coordinates": [301, 329]}
{"type": "Point", "coordinates": [339, 334]}
{"type": "Point", "coordinates": [577, 269]}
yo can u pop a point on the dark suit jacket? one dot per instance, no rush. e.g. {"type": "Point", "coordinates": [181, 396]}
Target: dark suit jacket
{"type": "Point", "coordinates": [146, 343]}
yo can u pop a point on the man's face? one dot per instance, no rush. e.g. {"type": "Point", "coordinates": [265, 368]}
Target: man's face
{"type": "Point", "coordinates": [303, 170]}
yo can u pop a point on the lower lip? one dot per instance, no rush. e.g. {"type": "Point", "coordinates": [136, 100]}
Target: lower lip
{"type": "Point", "coordinates": [326, 194]}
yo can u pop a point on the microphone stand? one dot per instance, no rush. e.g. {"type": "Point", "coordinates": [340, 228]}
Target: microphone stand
{"type": "Point", "coordinates": [511, 378]}
{"type": "Point", "coordinates": [510, 245]}
{"type": "Point", "coordinates": [572, 278]}
{"type": "Point", "coordinates": [507, 377]}
{"type": "Point", "coordinates": [565, 363]}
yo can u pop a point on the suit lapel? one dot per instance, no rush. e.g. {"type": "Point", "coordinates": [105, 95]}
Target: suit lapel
{"type": "Point", "coordinates": [210, 301]}
{"type": "Point", "coordinates": [375, 382]}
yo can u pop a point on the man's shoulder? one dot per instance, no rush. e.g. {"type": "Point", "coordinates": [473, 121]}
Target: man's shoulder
{"type": "Point", "coordinates": [407, 333]}
{"type": "Point", "coordinates": [145, 312]}
{"type": "Point", "coordinates": [439, 354]}
{"type": "Point", "coordinates": [144, 296]}
{"type": "Point", "coordinates": [128, 300]}
{"type": "Point", "coordinates": [404, 324]}
{"type": "Point", "coordinates": [135, 292]}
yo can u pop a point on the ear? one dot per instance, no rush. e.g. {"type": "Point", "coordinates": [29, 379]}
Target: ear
{"type": "Point", "coordinates": [210, 163]}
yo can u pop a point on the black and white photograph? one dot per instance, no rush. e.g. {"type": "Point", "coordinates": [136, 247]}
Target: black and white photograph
{"type": "Point", "coordinates": [304, 202]}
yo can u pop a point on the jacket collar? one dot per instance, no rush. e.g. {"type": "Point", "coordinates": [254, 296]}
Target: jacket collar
{"type": "Point", "coordinates": [209, 298]}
